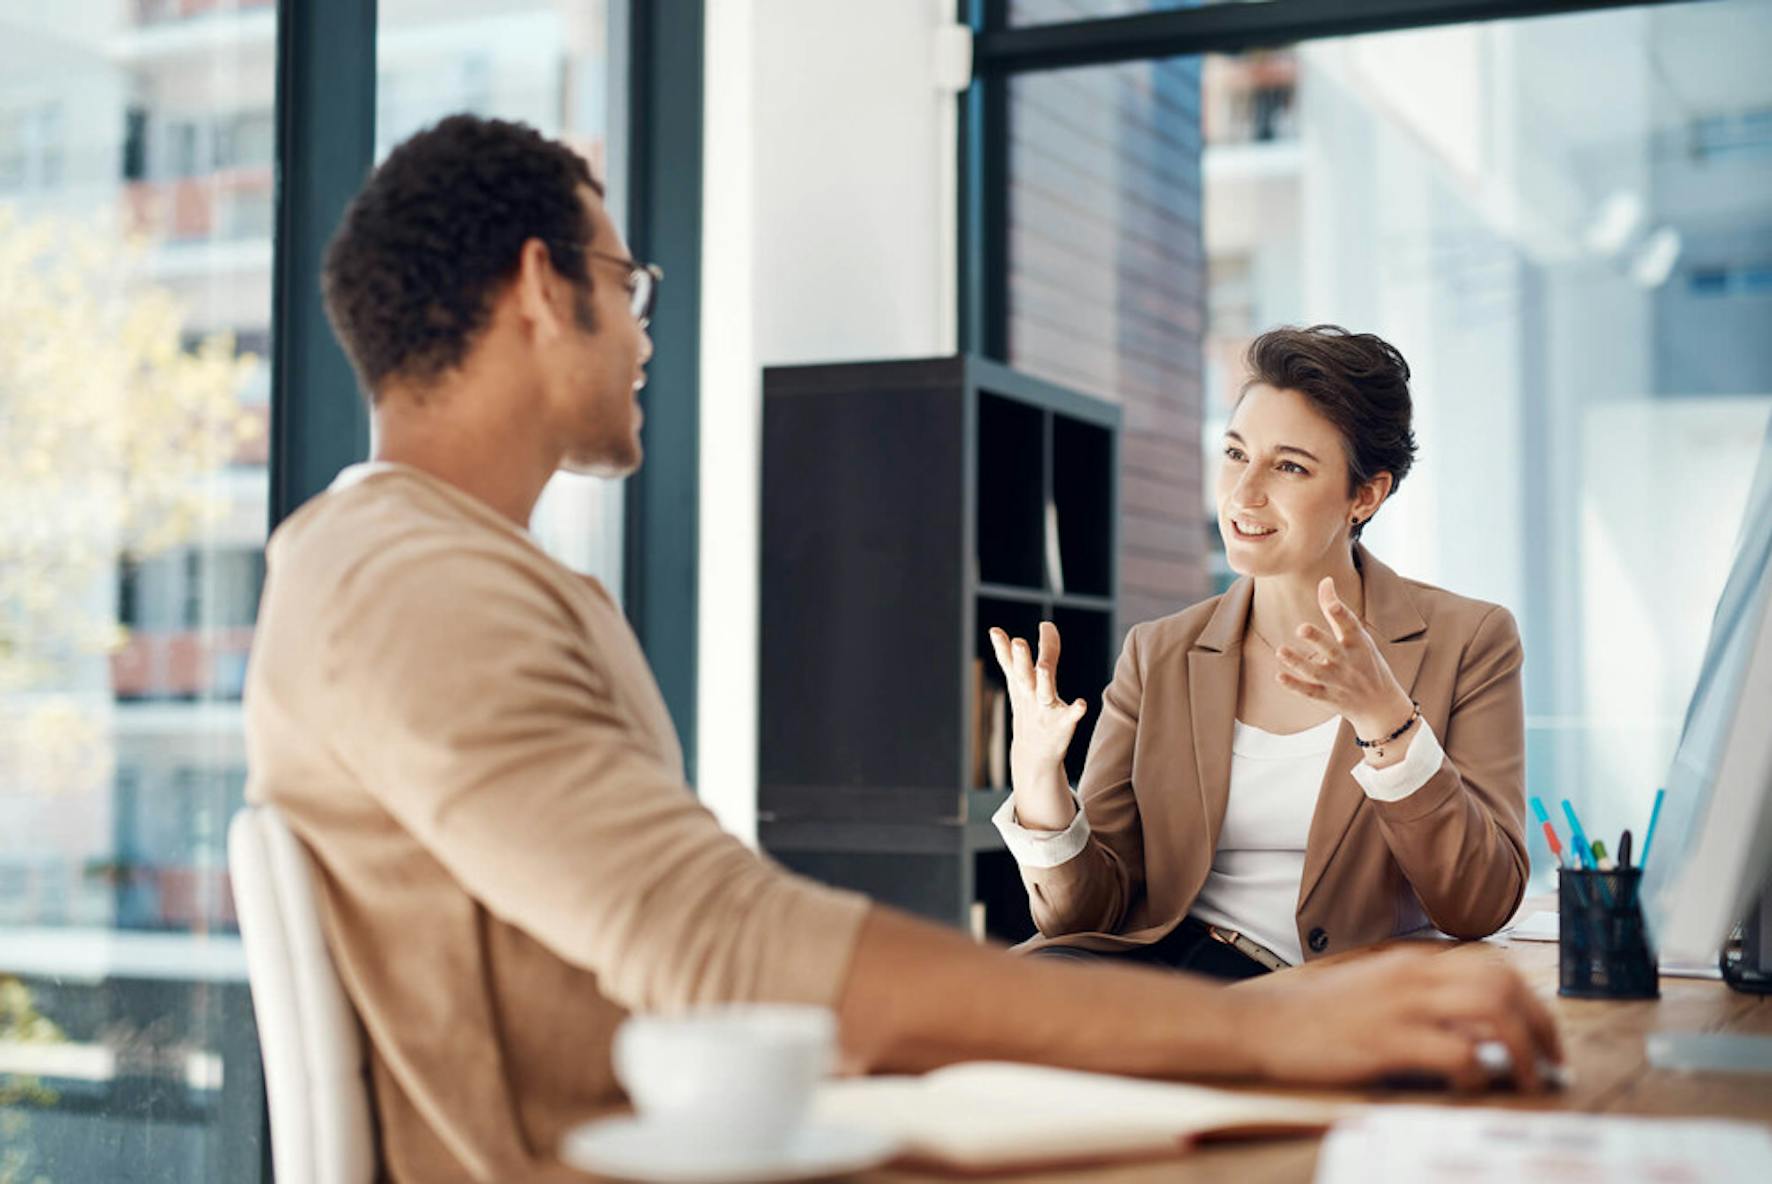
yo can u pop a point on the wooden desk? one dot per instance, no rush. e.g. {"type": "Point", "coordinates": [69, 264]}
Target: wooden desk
{"type": "Point", "coordinates": [1604, 1043]}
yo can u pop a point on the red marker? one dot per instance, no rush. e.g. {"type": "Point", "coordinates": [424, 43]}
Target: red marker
{"type": "Point", "coordinates": [1550, 832]}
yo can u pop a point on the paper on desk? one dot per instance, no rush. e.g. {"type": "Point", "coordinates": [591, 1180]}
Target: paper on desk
{"type": "Point", "coordinates": [1539, 926]}
{"type": "Point", "coordinates": [1436, 1145]}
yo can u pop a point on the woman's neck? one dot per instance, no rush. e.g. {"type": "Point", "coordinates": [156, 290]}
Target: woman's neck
{"type": "Point", "coordinates": [1285, 601]}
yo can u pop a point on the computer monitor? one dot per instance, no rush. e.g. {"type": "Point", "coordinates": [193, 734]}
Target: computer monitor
{"type": "Point", "coordinates": [1711, 859]}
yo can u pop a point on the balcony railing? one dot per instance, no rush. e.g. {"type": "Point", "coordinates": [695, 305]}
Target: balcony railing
{"type": "Point", "coordinates": [159, 12]}
{"type": "Point", "coordinates": [1250, 99]}
{"type": "Point", "coordinates": [192, 664]}
{"type": "Point", "coordinates": [229, 204]}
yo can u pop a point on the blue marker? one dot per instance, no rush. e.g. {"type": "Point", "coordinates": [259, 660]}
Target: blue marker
{"type": "Point", "coordinates": [1583, 849]}
{"type": "Point", "coordinates": [1654, 817]}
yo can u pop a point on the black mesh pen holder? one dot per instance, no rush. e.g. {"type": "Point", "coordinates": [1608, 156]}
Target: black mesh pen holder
{"type": "Point", "coordinates": [1603, 949]}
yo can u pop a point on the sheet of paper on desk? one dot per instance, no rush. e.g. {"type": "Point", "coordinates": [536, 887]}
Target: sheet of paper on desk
{"type": "Point", "coordinates": [1539, 926]}
{"type": "Point", "coordinates": [1436, 1145]}
{"type": "Point", "coordinates": [986, 1116]}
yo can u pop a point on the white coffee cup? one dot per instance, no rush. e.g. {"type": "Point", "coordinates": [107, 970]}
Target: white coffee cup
{"type": "Point", "coordinates": [731, 1081]}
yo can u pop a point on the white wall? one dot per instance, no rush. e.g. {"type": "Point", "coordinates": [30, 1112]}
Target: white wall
{"type": "Point", "coordinates": [828, 229]}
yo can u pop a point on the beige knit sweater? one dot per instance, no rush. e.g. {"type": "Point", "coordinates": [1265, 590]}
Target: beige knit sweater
{"type": "Point", "coordinates": [468, 739]}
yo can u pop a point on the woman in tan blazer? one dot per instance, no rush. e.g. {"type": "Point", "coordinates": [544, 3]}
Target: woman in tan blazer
{"type": "Point", "coordinates": [1326, 755]}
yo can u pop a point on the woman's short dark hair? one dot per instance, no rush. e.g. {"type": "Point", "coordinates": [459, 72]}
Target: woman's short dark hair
{"type": "Point", "coordinates": [424, 247]}
{"type": "Point", "coordinates": [1359, 382]}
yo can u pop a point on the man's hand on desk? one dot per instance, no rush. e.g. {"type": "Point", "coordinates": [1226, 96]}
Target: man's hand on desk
{"type": "Point", "coordinates": [1400, 1013]}
{"type": "Point", "coordinates": [920, 996]}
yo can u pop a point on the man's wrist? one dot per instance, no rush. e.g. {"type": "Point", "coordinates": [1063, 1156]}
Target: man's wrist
{"type": "Point", "coordinates": [1247, 1020]}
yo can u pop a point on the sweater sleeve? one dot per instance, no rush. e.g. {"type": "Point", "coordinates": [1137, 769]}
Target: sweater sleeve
{"type": "Point", "coordinates": [483, 717]}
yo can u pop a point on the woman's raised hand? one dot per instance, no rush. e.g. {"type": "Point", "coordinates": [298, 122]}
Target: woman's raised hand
{"type": "Point", "coordinates": [1344, 668]}
{"type": "Point", "coordinates": [1044, 725]}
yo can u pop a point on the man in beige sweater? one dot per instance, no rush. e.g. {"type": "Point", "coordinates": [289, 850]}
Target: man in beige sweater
{"type": "Point", "coordinates": [467, 737]}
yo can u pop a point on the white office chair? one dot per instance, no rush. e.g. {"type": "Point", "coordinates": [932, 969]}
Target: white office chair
{"type": "Point", "coordinates": [308, 1033]}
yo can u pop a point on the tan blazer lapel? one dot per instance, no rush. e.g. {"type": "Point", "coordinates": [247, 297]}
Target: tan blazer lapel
{"type": "Point", "coordinates": [1392, 619]}
{"type": "Point", "coordinates": [1214, 668]}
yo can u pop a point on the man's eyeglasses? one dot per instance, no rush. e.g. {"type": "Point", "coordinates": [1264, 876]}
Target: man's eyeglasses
{"type": "Point", "coordinates": [643, 279]}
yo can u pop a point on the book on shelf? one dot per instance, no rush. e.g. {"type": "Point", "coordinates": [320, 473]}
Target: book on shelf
{"type": "Point", "coordinates": [985, 1116]}
{"type": "Point", "coordinates": [978, 763]}
{"type": "Point", "coordinates": [1054, 557]}
{"type": "Point", "coordinates": [999, 737]}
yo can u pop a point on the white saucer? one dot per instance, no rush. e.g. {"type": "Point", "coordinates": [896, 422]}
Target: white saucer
{"type": "Point", "coordinates": [628, 1149]}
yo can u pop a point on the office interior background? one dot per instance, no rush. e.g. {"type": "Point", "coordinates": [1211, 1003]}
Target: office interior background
{"type": "Point", "coordinates": [1564, 220]}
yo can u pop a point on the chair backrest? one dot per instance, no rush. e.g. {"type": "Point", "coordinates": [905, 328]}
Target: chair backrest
{"type": "Point", "coordinates": [312, 1044]}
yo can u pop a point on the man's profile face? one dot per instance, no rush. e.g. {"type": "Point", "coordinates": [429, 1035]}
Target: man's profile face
{"type": "Point", "coordinates": [594, 377]}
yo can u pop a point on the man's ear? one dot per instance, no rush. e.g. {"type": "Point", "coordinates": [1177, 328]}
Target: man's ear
{"type": "Point", "coordinates": [539, 290]}
{"type": "Point", "coordinates": [1372, 495]}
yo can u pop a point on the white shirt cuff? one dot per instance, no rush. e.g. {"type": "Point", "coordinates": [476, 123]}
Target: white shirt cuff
{"type": "Point", "coordinates": [1395, 782]}
{"type": "Point", "coordinates": [1042, 848]}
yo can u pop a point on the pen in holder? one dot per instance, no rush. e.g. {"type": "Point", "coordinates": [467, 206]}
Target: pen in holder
{"type": "Point", "coordinates": [1603, 949]}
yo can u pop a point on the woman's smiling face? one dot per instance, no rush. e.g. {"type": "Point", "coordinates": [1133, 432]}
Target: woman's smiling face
{"type": "Point", "coordinates": [1283, 500]}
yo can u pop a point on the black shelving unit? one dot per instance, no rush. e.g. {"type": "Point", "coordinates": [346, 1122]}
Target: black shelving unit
{"type": "Point", "coordinates": [904, 514]}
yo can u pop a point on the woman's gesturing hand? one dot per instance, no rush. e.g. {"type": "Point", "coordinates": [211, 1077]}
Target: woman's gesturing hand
{"type": "Point", "coordinates": [1044, 725]}
{"type": "Point", "coordinates": [1344, 668]}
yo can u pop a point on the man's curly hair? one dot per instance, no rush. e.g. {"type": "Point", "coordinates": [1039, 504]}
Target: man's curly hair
{"type": "Point", "coordinates": [411, 272]}
{"type": "Point", "coordinates": [1358, 381]}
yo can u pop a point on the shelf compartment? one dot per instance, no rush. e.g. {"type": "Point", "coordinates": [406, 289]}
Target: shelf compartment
{"type": "Point", "coordinates": [1010, 506]}
{"type": "Point", "coordinates": [997, 886]}
{"type": "Point", "coordinates": [1082, 493]}
{"type": "Point", "coordinates": [1086, 646]}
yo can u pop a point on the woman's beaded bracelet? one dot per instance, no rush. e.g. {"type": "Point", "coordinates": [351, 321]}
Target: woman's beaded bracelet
{"type": "Point", "coordinates": [1406, 725]}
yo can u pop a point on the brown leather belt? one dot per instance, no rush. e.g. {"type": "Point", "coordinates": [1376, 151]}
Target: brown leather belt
{"type": "Point", "coordinates": [1253, 950]}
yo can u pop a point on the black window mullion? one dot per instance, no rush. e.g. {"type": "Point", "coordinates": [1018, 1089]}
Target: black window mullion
{"type": "Point", "coordinates": [662, 529]}
{"type": "Point", "coordinates": [984, 194]}
{"type": "Point", "coordinates": [325, 147]}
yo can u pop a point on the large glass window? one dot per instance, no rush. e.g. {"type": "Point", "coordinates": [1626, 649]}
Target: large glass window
{"type": "Point", "coordinates": [1106, 291]}
{"type": "Point", "coordinates": [1566, 254]}
{"type": "Point", "coordinates": [546, 63]}
{"type": "Point", "coordinates": [135, 254]}
{"type": "Point", "coordinates": [1565, 224]}
{"type": "Point", "coordinates": [136, 215]}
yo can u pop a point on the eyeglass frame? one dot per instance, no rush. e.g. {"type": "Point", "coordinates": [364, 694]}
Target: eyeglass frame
{"type": "Point", "coordinates": [652, 271]}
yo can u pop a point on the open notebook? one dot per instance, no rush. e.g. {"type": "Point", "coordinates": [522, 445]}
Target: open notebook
{"type": "Point", "coordinates": [986, 1117]}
